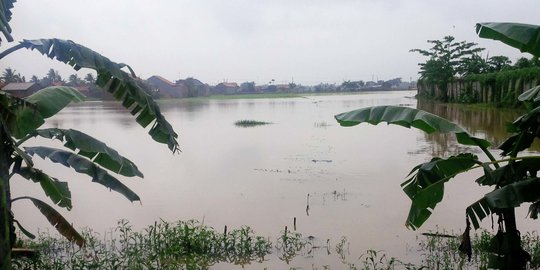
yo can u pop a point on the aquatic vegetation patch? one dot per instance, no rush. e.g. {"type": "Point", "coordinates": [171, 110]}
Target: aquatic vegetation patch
{"type": "Point", "coordinates": [250, 123]}
{"type": "Point", "coordinates": [192, 245]}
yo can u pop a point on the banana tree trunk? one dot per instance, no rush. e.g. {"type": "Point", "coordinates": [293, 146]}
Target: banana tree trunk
{"type": "Point", "coordinates": [515, 257]}
{"type": "Point", "coordinates": [6, 220]}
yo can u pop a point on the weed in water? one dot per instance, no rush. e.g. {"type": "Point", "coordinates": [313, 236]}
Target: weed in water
{"type": "Point", "coordinates": [250, 123]}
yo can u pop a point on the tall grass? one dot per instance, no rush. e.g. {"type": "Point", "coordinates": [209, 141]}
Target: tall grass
{"type": "Point", "coordinates": [192, 245]}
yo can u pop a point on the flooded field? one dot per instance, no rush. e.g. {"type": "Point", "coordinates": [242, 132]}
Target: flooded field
{"type": "Point", "coordinates": [301, 165]}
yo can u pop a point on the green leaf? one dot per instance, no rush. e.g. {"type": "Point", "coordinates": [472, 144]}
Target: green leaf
{"type": "Point", "coordinates": [409, 117]}
{"type": "Point", "coordinates": [425, 187]}
{"type": "Point", "coordinates": [93, 149]}
{"type": "Point", "coordinates": [511, 144]}
{"type": "Point", "coordinates": [123, 86]}
{"type": "Point", "coordinates": [5, 17]}
{"type": "Point", "coordinates": [514, 194]}
{"type": "Point", "coordinates": [534, 209]}
{"type": "Point", "coordinates": [478, 211]}
{"type": "Point", "coordinates": [24, 231]}
{"type": "Point", "coordinates": [46, 103]}
{"type": "Point", "coordinates": [83, 165]}
{"type": "Point", "coordinates": [525, 37]}
{"type": "Point", "coordinates": [51, 100]}
{"type": "Point", "coordinates": [57, 220]}
{"type": "Point", "coordinates": [54, 189]}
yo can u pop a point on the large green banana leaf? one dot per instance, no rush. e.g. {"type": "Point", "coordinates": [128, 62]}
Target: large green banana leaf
{"type": "Point", "coordinates": [507, 197]}
{"type": "Point", "coordinates": [83, 165]}
{"type": "Point", "coordinates": [57, 220]}
{"type": "Point", "coordinates": [46, 103]}
{"type": "Point", "coordinates": [525, 37]}
{"type": "Point", "coordinates": [409, 117]}
{"type": "Point", "coordinates": [5, 17]}
{"type": "Point", "coordinates": [425, 187]}
{"type": "Point", "coordinates": [56, 190]}
{"type": "Point", "coordinates": [93, 149]}
{"type": "Point", "coordinates": [110, 76]}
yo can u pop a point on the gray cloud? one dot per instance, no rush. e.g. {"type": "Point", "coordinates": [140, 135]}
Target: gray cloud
{"type": "Point", "coordinates": [240, 40]}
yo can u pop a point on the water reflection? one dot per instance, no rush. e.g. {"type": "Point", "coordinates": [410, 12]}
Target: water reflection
{"type": "Point", "coordinates": [261, 176]}
{"type": "Point", "coordinates": [489, 123]}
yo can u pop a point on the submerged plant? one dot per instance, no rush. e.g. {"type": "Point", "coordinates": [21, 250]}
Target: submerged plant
{"type": "Point", "coordinates": [163, 245]}
{"type": "Point", "coordinates": [250, 123]}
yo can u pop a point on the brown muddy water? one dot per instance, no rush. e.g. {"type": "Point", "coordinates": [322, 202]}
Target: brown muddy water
{"type": "Point", "coordinates": [266, 176]}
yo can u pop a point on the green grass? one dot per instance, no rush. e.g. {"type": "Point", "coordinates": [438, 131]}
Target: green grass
{"type": "Point", "coordinates": [192, 245]}
{"type": "Point", "coordinates": [250, 123]}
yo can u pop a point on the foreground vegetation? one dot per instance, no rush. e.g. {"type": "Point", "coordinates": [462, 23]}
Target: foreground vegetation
{"type": "Point", "coordinates": [192, 245]}
{"type": "Point", "coordinates": [513, 177]}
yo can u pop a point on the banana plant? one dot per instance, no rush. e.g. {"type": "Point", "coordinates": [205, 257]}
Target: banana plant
{"type": "Point", "coordinates": [513, 177]}
{"type": "Point", "coordinates": [21, 119]}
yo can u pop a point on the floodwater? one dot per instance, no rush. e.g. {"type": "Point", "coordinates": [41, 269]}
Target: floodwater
{"type": "Point", "coordinates": [335, 181]}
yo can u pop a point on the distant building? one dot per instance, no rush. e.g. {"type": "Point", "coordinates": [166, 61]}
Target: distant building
{"type": "Point", "coordinates": [194, 87]}
{"type": "Point", "coordinates": [282, 87]}
{"type": "Point", "coordinates": [21, 90]}
{"type": "Point", "coordinates": [225, 88]}
{"type": "Point", "coordinates": [166, 89]}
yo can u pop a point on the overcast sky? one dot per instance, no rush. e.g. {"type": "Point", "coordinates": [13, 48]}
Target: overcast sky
{"type": "Point", "coordinates": [308, 41]}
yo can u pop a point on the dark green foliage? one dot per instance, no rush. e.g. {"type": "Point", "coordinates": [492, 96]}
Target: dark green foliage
{"type": "Point", "coordinates": [448, 59]}
{"type": "Point", "coordinates": [179, 245]}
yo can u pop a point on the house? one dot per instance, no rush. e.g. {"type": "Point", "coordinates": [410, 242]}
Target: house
{"type": "Point", "coordinates": [21, 90]}
{"type": "Point", "coordinates": [166, 89]}
{"type": "Point", "coordinates": [194, 87]}
{"type": "Point", "coordinates": [225, 88]}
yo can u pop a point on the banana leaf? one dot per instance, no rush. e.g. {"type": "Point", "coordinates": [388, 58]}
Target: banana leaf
{"type": "Point", "coordinates": [56, 190]}
{"type": "Point", "coordinates": [45, 103]}
{"type": "Point", "coordinates": [5, 17]}
{"type": "Point", "coordinates": [57, 220]}
{"type": "Point", "coordinates": [83, 165]}
{"type": "Point", "coordinates": [425, 187]}
{"type": "Point", "coordinates": [409, 117]}
{"type": "Point", "coordinates": [125, 87]}
{"type": "Point", "coordinates": [93, 149]}
{"type": "Point", "coordinates": [525, 37]}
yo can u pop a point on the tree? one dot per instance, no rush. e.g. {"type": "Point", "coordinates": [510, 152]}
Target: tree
{"type": "Point", "coordinates": [351, 85]}
{"type": "Point", "coordinates": [523, 62]}
{"type": "Point", "coordinates": [499, 63]}
{"type": "Point", "coordinates": [53, 76]}
{"type": "Point", "coordinates": [9, 76]}
{"type": "Point", "coordinates": [446, 59]}
{"type": "Point", "coordinates": [89, 78]}
{"type": "Point", "coordinates": [74, 80]}
{"type": "Point", "coordinates": [20, 120]}
{"type": "Point", "coordinates": [247, 87]}
{"type": "Point", "coordinates": [514, 178]}
{"type": "Point", "coordinates": [391, 83]}
{"type": "Point", "coordinates": [34, 79]}
{"type": "Point", "coordinates": [474, 64]}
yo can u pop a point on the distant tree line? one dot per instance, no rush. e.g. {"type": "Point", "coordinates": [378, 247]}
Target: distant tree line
{"type": "Point", "coordinates": [448, 60]}
{"type": "Point", "coordinates": [53, 77]}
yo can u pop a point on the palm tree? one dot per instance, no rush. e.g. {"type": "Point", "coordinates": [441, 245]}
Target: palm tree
{"type": "Point", "coordinates": [89, 78]}
{"type": "Point", "coordinates": [9, 75]}
{"type": "Point", "coordinates": [74, 80]}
